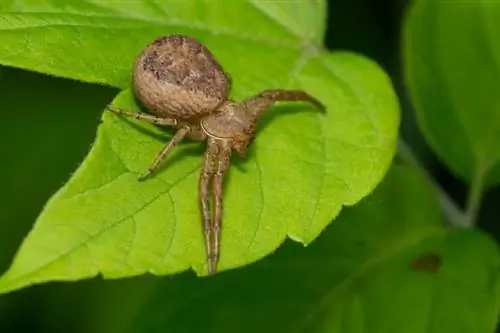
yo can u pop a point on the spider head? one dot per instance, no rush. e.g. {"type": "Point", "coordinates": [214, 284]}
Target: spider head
{"type": "Point", "coordinates": [236, 121]}
{"type": "Point", "coordinates": [233, 124]}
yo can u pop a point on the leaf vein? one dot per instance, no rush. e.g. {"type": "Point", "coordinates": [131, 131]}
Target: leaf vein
{"type": "Point", "coordinates": [104, 230]}
{"type": "Point", "coordinates": [174, 231]}
{"type": "Point", "coordinates": [134, 23]}
{"type": "Point", "coordinates": [132, 242]}
{"type": "Point", "coordinates": [261, 192]}
{"type": "Point", "coordinates": [353, 92]}
{"type": "Point", "coordinates": [322, 177]}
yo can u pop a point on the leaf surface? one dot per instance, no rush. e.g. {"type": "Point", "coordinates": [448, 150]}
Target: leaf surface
{"type": "Point", "coordinates": [452, 63]}
{"type": "Point", "coordinates": [302, 168]}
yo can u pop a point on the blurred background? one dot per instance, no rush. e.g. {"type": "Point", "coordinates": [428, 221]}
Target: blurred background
{"type": "Point", "coordinates": [62, 118]}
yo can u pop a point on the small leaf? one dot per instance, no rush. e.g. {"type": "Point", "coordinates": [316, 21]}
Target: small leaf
{"type": "Point", "coordinates": [356, 277]}
{"type": "Point", "coordinates": [452, 63]}
{"type": "Point", "coordinates": [302, 168]}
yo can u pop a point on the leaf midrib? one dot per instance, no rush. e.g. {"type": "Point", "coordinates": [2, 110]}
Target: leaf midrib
{"type": "Point", "coordinates": [142, 23]}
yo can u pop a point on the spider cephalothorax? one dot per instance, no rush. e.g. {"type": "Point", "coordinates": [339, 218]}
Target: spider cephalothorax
{"type": "Point", "coordinates": [183, 86]}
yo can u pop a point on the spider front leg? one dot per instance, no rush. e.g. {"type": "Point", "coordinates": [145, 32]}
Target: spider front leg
{"type": "Point", "coordinates": [144, 117]}
{"type": "Point", "coordinates": [217, 161]}
{"type": "Point", "coordinates": [209, 169]}
{"type": "Point", "coordinates": [259, 103]}
{"type": "Point", "coordinates": [223, 162]}
{"type": "Point", "coordinates": [276, 95]}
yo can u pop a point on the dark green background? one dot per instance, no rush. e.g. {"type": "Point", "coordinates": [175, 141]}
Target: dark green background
{"type": "Point", "coordinates": [48, 125]}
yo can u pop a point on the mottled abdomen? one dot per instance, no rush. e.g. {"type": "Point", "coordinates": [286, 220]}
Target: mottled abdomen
{"type": "Point", "coordinates": [175, 76]}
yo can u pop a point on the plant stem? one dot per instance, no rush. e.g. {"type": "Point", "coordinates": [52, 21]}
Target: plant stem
{"type": "Point", "coordinates": [453, 213]}
{"type": "Point", "coordinates": [474, 196]}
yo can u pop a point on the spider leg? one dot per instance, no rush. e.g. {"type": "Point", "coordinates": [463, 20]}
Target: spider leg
{"type": "Point", "coordinates": [257, 104]}
{"type": "Point", "coordinates": [163, 153]}
{"type": "Point", "coordinates": [209, 169]}
{"type": "Point", "coordinates": [141, 116]}
{"type": "Point", "coordinates": [278, 95]}
{"type": "Point", "coordinates": [223, 162]}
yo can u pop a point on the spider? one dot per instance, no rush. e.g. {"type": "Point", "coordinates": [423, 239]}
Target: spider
{"type": "Point", "coordinates": [183, 86]}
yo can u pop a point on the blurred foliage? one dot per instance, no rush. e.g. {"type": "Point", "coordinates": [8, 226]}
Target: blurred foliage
{"type": "Point", "coordinates": [449, 94]}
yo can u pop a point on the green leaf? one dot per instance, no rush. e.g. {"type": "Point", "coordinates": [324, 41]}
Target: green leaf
{"type": "Point", "coordinates": [387, 265]}
{"type": "Point", "coordinates": [452, 63]}
{"type": "Point", "coordinates": [302, 168]}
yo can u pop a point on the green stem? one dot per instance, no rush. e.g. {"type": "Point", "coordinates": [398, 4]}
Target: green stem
{"type": "Point", "coordinates": [453, 213]}
{"type": "Point", "coordinates": [474, 196]}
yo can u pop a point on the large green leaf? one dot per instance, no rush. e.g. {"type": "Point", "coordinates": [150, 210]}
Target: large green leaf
{"type": "Point", "coordinates": [452, 62]}
{"type": "Point", "coordinates": [302, 169]}
{"type": "Point", "coordinates": [387, 265]}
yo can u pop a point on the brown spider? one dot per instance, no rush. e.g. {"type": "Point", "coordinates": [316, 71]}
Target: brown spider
{"type": "Point", "coordinates": [183, 86]}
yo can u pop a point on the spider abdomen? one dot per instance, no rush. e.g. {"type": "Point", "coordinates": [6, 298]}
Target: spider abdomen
{"type": "Point", "coordinates": [177, 77]}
